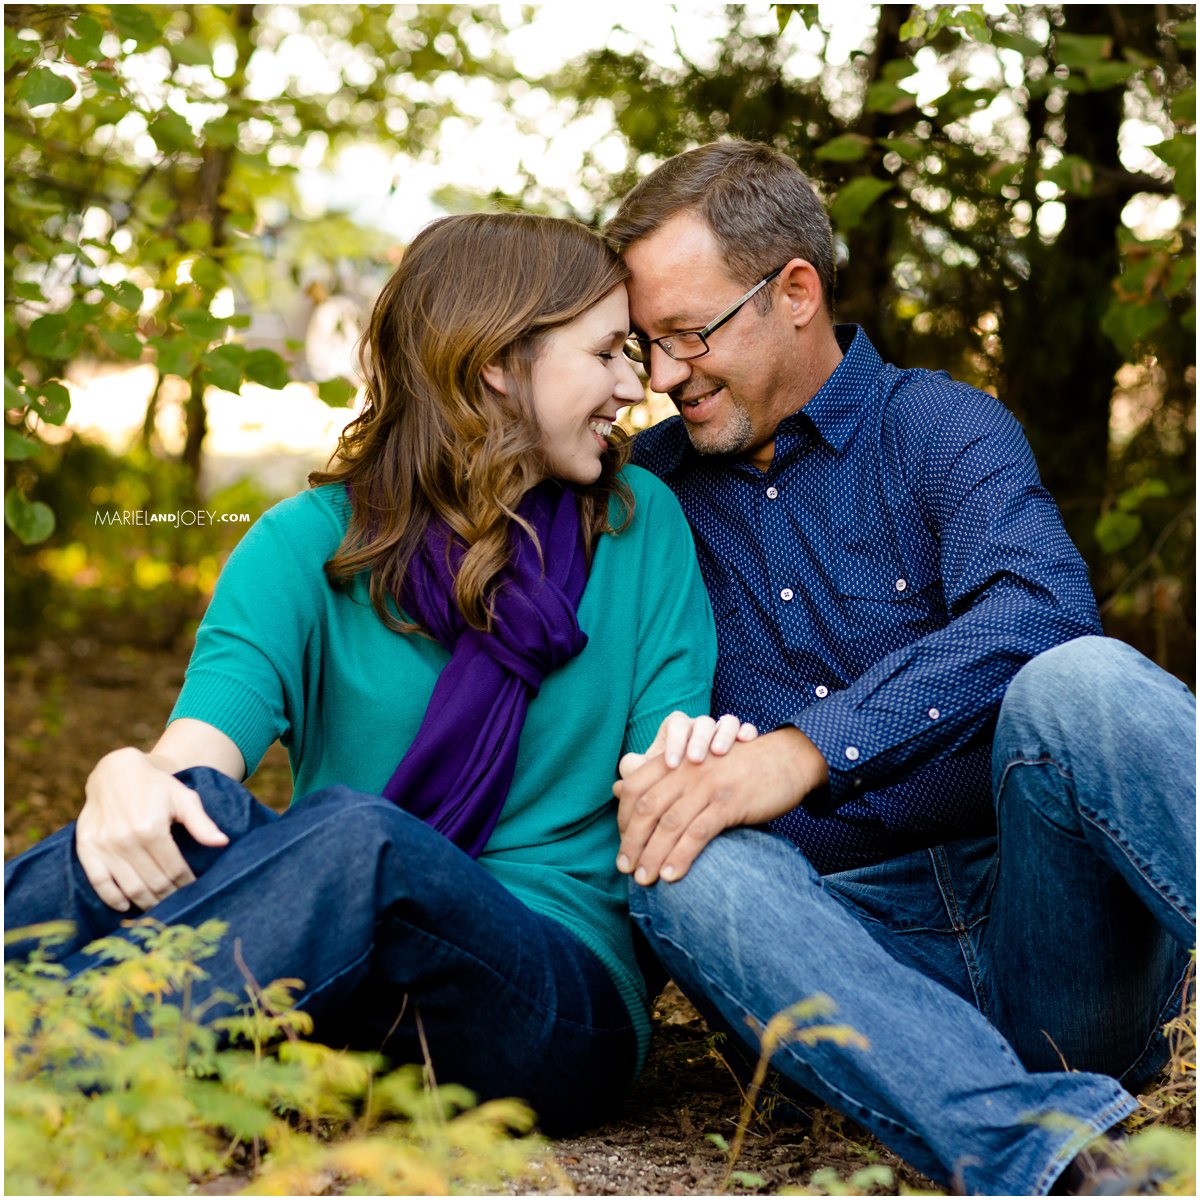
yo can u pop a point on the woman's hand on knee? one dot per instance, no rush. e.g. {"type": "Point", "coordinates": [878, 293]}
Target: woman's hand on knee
{"type": "Point", "coordinates": [693, 739]}
{"type": "Point", "coordinates": [123, 834]}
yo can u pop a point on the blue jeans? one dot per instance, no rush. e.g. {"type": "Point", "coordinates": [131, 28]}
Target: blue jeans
{"type": "Point", "coordinates": [377, 913]}
{"type": "Point", "coordinates": [972, 967]}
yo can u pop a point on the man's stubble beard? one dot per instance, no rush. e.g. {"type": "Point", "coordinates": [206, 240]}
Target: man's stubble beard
{"type": "Point", "coordinates": [730, 438]}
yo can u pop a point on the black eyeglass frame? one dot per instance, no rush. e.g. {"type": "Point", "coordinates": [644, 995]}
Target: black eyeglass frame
{"type": "Point", "coordinates": [638, 349]}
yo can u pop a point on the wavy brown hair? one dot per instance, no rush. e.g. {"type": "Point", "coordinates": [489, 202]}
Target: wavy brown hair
{"type": "Point", "coordinates": [433, 439]}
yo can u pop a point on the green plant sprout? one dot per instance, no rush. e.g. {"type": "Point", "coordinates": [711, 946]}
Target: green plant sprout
{"type": "Point", "coordinates": [789, 1025]}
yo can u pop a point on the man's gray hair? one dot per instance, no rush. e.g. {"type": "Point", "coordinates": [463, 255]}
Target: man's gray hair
{"type": "Point", "coordinates": [758, 203]}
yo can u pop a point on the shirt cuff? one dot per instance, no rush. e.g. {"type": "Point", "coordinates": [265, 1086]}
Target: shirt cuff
{"type": "Point", "coordinates": [848, 745]}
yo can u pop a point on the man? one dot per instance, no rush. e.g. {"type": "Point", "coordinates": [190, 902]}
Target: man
{"type": "Point", "coordinates": [990, 892]}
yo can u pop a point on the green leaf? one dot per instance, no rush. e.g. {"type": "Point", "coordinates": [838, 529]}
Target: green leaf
{"type": "Point", "coordinates": [337, 393]}
{"type": "Point", "coordinates": [128, 295]}
{"type": "Point", "coordinates": [124, 343]}
{"type": "Point", "coordinates": [1115, 530]}
{"type": "Point", "coordinates": [200, 324]}
{"type": "Point", "coordinates": [1185, 34]}
{"type": "Point", "coordinates": [27, 291]}
{"type": "Point", "coordinates": [783, 13]}
{"type": "Point", "coordinates": [16, 446]}
{"type": "Point", "coordinates": [850, 147]}
{"type": "Point", "coordinates": [1125, 324]}
{"type": "Point", "coordinates": [171, 132]}
{"type": "Point", "coordinates": [1081, 50]}
{"type": "Point", "coordinates": [174, 355]}
{"type": "Point", "coordinates": [973, 25]}
{"type": "Point", "coordinates": [14, 398]}
{"type": "Point", "coordinates": [197, 234]}
{"type": "Point", "coordinates": [885, 97]}
{"type": "Point", "coordinates": [1072, 173]}
{"type": "Point", "coordinates": [1016, 41]}
{"type": "Point", "coordinates": [1108, 74]}
{"type": "Point", "coordinates": [1183, 107]}
{"type": "Point", "coordinates": [53, 403]}
{"type": "Point", "coordinates": [82, 52]}
{"type": "Point", "coordinates": [32, 522]}
{"type": "Point", "coordinates": [223, 131]}
{"type": "Point", "coordinates": [1180, 153]}
{"type": "Point", "coordinates": [1149, 489]}
{"type": "Point", "coordinates": [915, 28]}
{"type": "Point", "coordinates": [16, 49]}
{"type": "Point", "coordinates": [1000, 174]}
{"type": "Point", "coordinates": [855, 198]}
{"type": "Point", "coordinates": [898, 69]}
{"type": "Point", "coordinates": [748, 1179]}
{"type": "Point", "coordinates": [133, 22]}
{"type": "Point", "coordinates": [89, 30]}
{"type": "Point", "coordinates": [907, 148]}
{"type": "Point", "coordinates": [1187, 322]}
{"type": "Point", "coordinates": [225, 366]}
{"type": "Point", "coordinates": [46, 332]}
{"type": "Point", "coordinates": [192, 52]}
{"type": "Point", "coordinates": [208, 275]}
{"type": "Point", "coordinates": [718, 1141]}
{"type": "Point", "coordinates": [267, 368]}
{"type": "Point", "coordinates": [106, 81]}
{"type": "Point", "coordinates": [43, 86]}
{"type": "Point", "coordinates": [1182, 270]}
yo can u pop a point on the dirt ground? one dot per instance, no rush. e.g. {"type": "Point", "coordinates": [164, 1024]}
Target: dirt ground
{"type": "Point", "coordinates": [71, 701]}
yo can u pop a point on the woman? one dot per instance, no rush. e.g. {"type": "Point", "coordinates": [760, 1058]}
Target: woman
{"type": "Point", "coordinates": [456, 632]}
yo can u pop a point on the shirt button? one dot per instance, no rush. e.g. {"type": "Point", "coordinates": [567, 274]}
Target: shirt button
{"type": "Point", "coordinates": [934, 714]}
{"type": "Point", "coordinates": [822, 691]}
{"type": "Point", "coordinates": [772, 493]}
{"type": "Point", "coordinates": [786, 594]}
{"type": "Point", "coordinates": [901, 584]}
{"type": "Point", "coordinates": [852, 753]}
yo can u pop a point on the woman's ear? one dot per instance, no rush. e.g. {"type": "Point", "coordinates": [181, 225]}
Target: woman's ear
{"type": "Point", "coordinates": [493, 376]}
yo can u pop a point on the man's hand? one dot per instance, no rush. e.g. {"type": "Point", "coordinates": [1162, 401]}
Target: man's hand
{"type": "Point", "coordinates": [667, 816]}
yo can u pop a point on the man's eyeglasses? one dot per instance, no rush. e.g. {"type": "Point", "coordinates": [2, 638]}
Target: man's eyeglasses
{"type": "Point", "coordinates": [690, 343]}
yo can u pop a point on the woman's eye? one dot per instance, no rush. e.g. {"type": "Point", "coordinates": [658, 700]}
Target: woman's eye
{"type": "Point", "coordinates": [606, 356]}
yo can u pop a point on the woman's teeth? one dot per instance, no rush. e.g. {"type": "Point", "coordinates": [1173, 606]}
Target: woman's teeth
{"type": "Point", "coordinates": [600, 428]}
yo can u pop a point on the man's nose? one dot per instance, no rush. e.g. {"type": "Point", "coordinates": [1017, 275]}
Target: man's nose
{"type": "Point", "coordinates": [665, 372]}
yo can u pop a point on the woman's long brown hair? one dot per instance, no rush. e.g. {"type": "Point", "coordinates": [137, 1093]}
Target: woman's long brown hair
{"type": "Point", "coordinates": [433, 440]}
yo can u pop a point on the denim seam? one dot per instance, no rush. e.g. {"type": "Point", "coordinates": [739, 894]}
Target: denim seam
{"type": "Point", "coordinates": [1142, 870]}
{"type": "Point", "coordinates": [1079, 1138]}
{"type": "Point", "coordinates": [941, 872]}
{"type": "Point", "coordinates": [850, 1101]}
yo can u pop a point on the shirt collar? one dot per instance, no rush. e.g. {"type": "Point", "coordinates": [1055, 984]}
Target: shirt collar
{"type": "Point", "coordinates": [834, 412]}
{"type": "Point", "coordinates": [837, 408]}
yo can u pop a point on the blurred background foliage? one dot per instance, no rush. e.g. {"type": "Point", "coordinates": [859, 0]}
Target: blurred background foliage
{"type": "Point", "coordinates": [992, 217]}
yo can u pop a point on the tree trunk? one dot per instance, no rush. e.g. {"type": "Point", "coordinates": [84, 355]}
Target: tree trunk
{"type": "Point", "coordinates": [1060, 366]}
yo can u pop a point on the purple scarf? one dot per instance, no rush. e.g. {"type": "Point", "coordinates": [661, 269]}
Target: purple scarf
{"type": "Point", "coordinates": [456, 774]}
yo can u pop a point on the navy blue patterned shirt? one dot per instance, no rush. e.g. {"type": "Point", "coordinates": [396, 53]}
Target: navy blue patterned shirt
{"type": "Point", "coordinates": [878, 587]}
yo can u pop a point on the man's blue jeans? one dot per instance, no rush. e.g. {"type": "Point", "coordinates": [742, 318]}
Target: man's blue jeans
{"type": "Point", "coordinates": [977, 970]}
{"type": "Point", "coordinates": [379, 915]}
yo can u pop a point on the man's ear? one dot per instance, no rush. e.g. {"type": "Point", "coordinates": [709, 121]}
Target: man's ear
{"type": "Point", "coordinates": [800, 292]}
{"type": "Point", "coordinates": [493, 376]}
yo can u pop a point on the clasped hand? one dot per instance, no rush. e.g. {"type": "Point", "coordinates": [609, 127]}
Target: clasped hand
{"type": "Point", "coordinates": [699, 777]}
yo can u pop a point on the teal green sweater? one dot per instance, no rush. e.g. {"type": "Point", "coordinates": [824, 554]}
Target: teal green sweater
{"type": "Point", "coordinates": [282, 654]}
